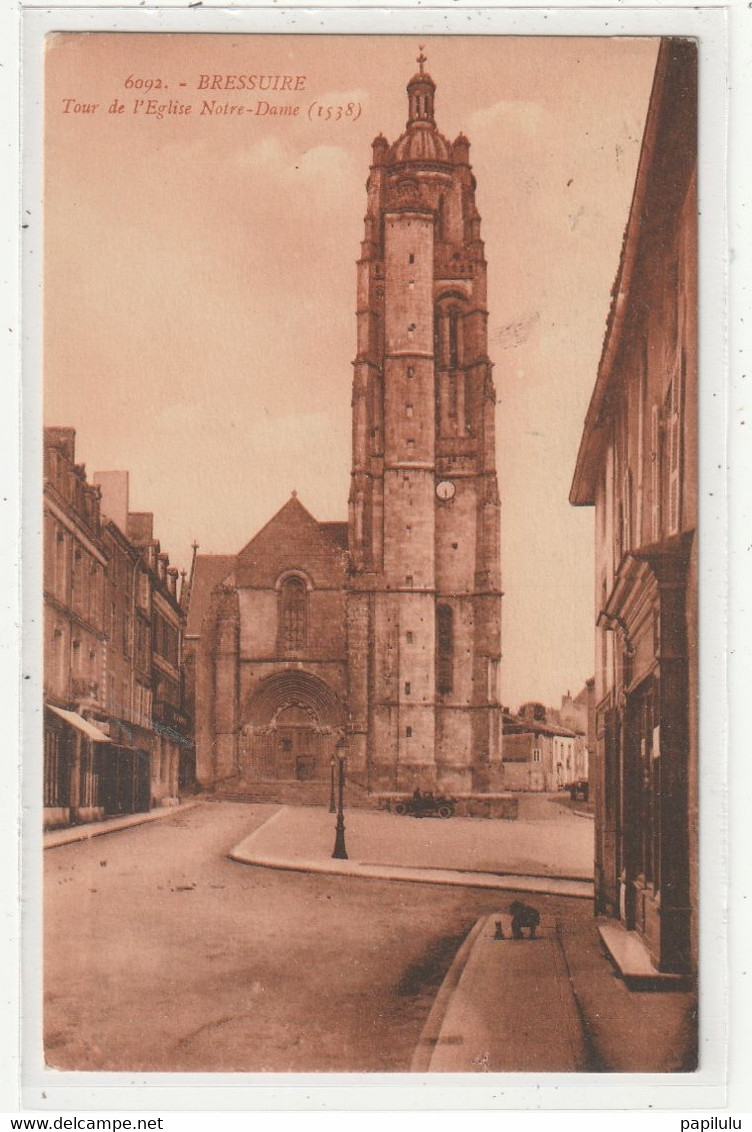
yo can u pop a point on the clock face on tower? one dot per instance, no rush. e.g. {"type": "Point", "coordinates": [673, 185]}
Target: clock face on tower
{"type": "Point", "coordinates": [445, 490]}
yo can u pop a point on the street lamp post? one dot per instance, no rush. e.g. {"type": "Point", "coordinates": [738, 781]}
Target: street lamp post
{"type": "Point", "coordinates": [332, 805]}
{"type": "Point", "coordinates": [340, 852]}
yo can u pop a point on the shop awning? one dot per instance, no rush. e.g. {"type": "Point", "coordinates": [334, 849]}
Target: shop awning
{"type": "Point", "coordinates": [81, 724]}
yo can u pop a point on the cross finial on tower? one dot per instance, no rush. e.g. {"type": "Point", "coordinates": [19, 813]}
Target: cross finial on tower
{"type": "Point", "coordinates": [421, 58]}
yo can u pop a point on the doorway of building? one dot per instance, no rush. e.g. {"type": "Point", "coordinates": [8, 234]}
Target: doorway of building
{"type": "Point", "coordinates": [292, 722]}
{"type": "Point", "coordinates": [300, 745]}
{"type": "Point", "coordinates": [643, 786]}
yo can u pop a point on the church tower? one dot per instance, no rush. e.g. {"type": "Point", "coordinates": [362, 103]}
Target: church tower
{"type": "Point", "coordinates": [424, 590]}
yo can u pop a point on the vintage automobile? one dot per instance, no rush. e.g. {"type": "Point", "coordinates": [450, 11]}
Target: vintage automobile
{"type": "Point", "coordinates": [427, 805]}
{"type": "Point", "coordinates": [579, 789]}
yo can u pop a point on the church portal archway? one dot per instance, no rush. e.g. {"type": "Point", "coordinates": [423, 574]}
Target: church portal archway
{"type": "Point", "coordinates": [291, 724]}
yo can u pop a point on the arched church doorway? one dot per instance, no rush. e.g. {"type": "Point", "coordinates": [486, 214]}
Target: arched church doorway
{"type": "Point", "coordinates": [298, 744]}
{"type": "Point", "coordinates": [292, 722]}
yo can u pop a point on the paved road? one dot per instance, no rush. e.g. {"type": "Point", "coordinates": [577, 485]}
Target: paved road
{"type": "Point", "coordinates": [163, 955]}
{"type": "Point", "coordinates": [546, 807]}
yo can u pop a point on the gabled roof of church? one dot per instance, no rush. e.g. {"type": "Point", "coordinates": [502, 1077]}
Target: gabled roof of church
{"type": "Point", "coordinates": [209, 571]}
{"type": "Point", "coordinates": [293, 539]}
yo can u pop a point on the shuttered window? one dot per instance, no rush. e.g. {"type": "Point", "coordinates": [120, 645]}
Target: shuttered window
{"type": "Point", "coordinates": [674, 449]}
{"type": "Point", "coordinates": [655, 473]}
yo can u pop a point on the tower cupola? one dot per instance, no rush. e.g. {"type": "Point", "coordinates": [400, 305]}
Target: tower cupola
{"type": "Point", "coordinates": [421, 140]}
{"type": "Point", "coordinates": [420, 95]}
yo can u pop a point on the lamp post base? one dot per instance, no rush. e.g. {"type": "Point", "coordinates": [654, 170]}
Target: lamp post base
{"type": "Point", "coordinates": [340, 852]}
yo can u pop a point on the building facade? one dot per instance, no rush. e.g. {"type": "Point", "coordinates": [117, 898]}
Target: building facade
{"type": "Point", "coordinates": [382, 635]}
{"type": "Point", "coordinates": [161, 622]}
{"type": "Point", "coordinates": [540, 753]}
{"type": "Point", "coordinates": [107, 748]}
{"type": "Point", "coordinates": [75, 680]}
{"type": "Point", "coordinates": [576, 713]}
{"type": "Point", "coordinates": [637, 465]}
{"type": "Point", "coordinates": [126, 786]}
{"type": "Point", "coordinates": [265, 643]}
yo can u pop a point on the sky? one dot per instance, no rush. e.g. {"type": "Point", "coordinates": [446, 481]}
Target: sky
{"type": "Point", "coordinates": [200, 280]}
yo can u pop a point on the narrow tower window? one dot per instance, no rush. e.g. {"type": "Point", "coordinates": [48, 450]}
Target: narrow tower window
{"type": "Point", "coordinates": [453, 338]}
{"type": "Point", "coordinates": [445, 648]}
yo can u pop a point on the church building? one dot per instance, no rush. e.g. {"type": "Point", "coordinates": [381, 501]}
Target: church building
{"type": "Point", "coordinates": [379, 638]}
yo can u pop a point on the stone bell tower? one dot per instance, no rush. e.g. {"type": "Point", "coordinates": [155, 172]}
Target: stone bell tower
{"type": "Point", "coordinates": [424, 592]}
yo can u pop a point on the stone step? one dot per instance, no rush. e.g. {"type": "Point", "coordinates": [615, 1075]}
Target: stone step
{"type": "Point", "coordinates": [632, 959]}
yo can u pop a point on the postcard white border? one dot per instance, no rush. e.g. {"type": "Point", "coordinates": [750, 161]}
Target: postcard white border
{"type": "Point", "coordinates": [46, 1090]}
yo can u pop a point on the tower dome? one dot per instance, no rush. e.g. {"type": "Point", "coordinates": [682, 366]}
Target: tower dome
{"type": "Point", "coordinates": [421, 140]}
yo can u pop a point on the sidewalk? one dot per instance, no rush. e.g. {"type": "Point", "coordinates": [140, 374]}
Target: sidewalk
{"type": "Point", "coordinates": [56, 837]}
{"type": "Point", "coordinates": [551, 1005]}
{"type": "Point", "coordinates": [506, 1006]}
{"type": "Point", "coordinates": [552, 857]}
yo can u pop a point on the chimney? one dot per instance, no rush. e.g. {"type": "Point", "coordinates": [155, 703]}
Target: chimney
{"type": "Point", "coordinates": [172, 581]}
{"type": "Point", "coordinates": [62, 438]}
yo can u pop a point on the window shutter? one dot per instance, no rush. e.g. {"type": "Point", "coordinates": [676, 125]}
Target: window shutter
{"type": "Point", "coordinates": [674, 452]}
{"type": "Point", "coordinates": [626, 538]}
{"type": "Point", "coordinates": [655, 473]}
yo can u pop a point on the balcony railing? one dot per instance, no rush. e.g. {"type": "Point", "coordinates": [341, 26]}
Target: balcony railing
{"type": "Point", "coordinates": [170, 716]}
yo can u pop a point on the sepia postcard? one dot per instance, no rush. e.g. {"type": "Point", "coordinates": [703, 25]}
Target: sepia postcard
{"type": "Point", "coordinates": [371, 568]}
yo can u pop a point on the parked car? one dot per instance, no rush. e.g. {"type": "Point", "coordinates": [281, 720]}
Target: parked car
{"type": "Point", "coordinates": [579, 790]}
{"type": "Point", "coordinates": [427, 805]}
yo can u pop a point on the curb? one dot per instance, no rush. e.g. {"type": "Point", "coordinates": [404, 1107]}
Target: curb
{"type": "Point", "coordinates": [542, 886]}
{"type": "Point", "coordinates": [583, 814]}
{"type": "Point", "coordinates": [429, 1035]}
{"type": "Point", "coordinates": [58, 837]}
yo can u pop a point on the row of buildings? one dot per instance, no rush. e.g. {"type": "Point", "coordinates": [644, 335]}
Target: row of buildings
{"type": "Point", "coordinates": [116, 736]}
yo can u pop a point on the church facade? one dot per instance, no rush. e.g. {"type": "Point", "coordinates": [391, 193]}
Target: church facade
{"type": "Point", "coordinates": [379, 637]}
